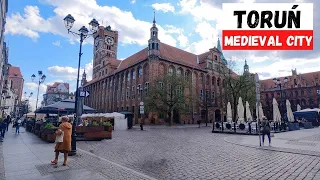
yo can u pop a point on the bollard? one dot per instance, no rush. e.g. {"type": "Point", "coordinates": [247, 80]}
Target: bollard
{"type": "Point", "coordinates": [141, 126]}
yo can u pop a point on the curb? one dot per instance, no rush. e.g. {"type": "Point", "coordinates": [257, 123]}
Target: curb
{"type": "Point", "coordinates": [118, 165]}
{"type": "Point", "coordinates": [284, 150]}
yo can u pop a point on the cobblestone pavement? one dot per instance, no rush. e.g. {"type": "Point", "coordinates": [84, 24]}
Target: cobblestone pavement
{"type": "Point", "coordinates": [2, 169]}
{"type": "Point", "coordinates": [196, 153]}
{"type": "Point", "coordinates": [25, 156]}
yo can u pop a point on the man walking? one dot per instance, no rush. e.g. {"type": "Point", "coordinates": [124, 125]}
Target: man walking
{"type": "Point", "coordinates": [2, 129]}
{"type": "Point", "coordinates": [8, 121]}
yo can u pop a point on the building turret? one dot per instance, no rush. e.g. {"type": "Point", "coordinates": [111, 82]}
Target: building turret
{"type": "Point", "coordinates": [154, 42]}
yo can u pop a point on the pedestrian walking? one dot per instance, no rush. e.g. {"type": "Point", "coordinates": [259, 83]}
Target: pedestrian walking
{"type": "Point", "coordinates": [8, 121]}
{"type": "Point", "coordinates": [65, 130]}
{"type": "Point", "coordinates": [17, 125]}
{"type": "Point", "coordinates": [3, 127]}
{"type": "Point", "coordinates": [265, 129]}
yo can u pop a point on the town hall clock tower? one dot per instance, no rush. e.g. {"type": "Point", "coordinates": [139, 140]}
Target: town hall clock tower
{"type": "Point", "coordinates": [104, 51]}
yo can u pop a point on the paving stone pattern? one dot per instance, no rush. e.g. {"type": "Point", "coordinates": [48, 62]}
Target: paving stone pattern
{"type": "Point", "coordinates": [2, 169]}
{"type": "Point", "coordinates": [195, 153]}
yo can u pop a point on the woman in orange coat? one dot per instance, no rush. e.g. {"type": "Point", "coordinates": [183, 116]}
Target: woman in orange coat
{"type": "Point", "coordinates": [65, 146]}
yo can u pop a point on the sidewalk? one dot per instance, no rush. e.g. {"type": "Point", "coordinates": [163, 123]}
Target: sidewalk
{"type": "Point", "coordinates": [27, 157]}
{"type": "Point", "coordinates": [306, 141]}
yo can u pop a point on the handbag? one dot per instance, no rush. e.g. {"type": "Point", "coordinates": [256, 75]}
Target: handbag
{"type": "Point", "coordinates": [59, 138]}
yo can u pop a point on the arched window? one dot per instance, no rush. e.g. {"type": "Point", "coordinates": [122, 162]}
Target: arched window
{"type": "Point", "coordinates": [179, 72]}
{"type": "Point", "coordinates": [170, 71]}
{"type": "Point", "coordinates": [133, 74]}
{"type": "Point", "coordinates": [187, 75]}
{"type": "Point", "coordinates": [128, 76]}
{"type": "Point", "coordinates": [139, 71]}
{"type": "Point", "coordinates": [215, 57]}
{"type": "Point", "coordinates": [153, 46]}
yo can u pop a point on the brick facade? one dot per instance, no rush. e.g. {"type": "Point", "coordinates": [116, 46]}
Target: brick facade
{"type": "Point", "coordinates": [125, 83]}
{"type": "Point", "coordinates": [17, 81]}
{"type": "Point", "coordinates": [302, 89]}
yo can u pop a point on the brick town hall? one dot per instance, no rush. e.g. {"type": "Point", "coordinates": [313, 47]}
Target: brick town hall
{"type": "Point", "coordinates": [120, 85]}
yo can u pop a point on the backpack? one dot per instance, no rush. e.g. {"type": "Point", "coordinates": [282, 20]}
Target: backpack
{"type": "Point", "coordinates": [266, 126]}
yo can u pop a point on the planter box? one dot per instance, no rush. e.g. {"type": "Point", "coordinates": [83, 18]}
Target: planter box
{"type": "Point", "coordinates": [98, 135]}
{"type": "Point", "coordinates": [50, 138]}
{"type": "Point", "coordinates": [88, 129]}
{"type": "Point", "coordinates": [307, 125]}
{"type": "Point", "coordinates": [293, 126]}
{"type": "Point", "coordinates": [43, 136]}
{"type": "Point", "coordinates": [106, 128]}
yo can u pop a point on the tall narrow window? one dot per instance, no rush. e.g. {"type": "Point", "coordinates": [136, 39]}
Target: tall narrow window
{"type": "Point", "coordinates": [138, 90]}
{"type": "Point", "coordinates": [179, 90]}
{"type": "Point", "coordinates": [146, 88]}
{"type": "Point", "coordinates": [170, 71]}
{"type": "Point", "coordinates": [133, 75]}
{"type": "Point", "coordinates": [127, 93]}
{"type": "Point", "coordinates": [161, 85]}
{"type": "Point", "coordinates": [201, 94]}
{"type": "Point", "coordinates": [128, 76]}
{"type": "Point", "coordinates": [133, 92]}
{"type": "Point", "coordinates": [179, 72]}
{"type": "Point", "coordinates": [170, 89]}
{"type": "Point", "coordinates": [122, 94]}
{"type": "Point", "coordinates": [140, 71]}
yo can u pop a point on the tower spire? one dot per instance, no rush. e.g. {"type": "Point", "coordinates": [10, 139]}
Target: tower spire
{"type": "Point", "coordinates": [154, 17]}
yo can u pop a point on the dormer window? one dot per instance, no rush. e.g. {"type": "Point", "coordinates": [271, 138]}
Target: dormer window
{"type": "Point", "coordinates": [215, 57]}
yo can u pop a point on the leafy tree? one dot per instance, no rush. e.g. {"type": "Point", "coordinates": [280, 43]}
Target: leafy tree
{"type": "Point", "coordinates": [169, 93]}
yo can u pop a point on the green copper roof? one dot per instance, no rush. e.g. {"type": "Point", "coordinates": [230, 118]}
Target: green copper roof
{"type": "Point", "coordinates": [221, 56]}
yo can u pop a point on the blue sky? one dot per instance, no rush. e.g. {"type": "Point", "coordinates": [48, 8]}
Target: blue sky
{"type": "Point", "coordinates": [38, 39]}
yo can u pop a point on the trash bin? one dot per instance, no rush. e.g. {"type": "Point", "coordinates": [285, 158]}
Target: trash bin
{"type": "Point", "coordinates": [129, 116]}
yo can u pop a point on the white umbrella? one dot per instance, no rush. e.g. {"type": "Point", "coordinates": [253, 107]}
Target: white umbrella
{"type": "Point", "coordinates": [276, 112]}
{"type": "Point", "coordinates": [229, 113]}
{"type": "Point", "coordinates": [260, 111]}
{"type": "Point", "coordinates": [240, 110]}
{"type": "Point", "coordinates": [248, 113]}
{"type": "Point", "coordinates": [298, 107]}
{"type": "Point", "coordinates": [289, 111]}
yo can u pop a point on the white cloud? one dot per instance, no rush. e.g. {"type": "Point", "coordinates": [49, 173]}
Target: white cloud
{"type": "Point", "coordinates": [183, 40]}
{"type": "Point", "coordinates": [170, 29]}
{"type": "Point", "coordinates": [68, 73]}
{"type": "Point", "coordinates": [164, 7]}
{"type": "Point", "coordinates": [283, 67]}
{"type": "Point", "coordinates": [57, 43]}
{"type": "Point", "coordinates": [131, 30]}
{"type": "Point", "coordinates": [209, 37]}
{"type": "Point", "coordinates": [133, 1]}
{"type": "Point", "coordinates": [200, 11]}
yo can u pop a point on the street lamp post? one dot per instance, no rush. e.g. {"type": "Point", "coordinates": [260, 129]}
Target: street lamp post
{"type": "Point", "coordinates": [280, 84]}
{"type": "Point", "coordinates": [42, 78]}
{"type": "Point", "coordinates": [83, 34]}
{"type": "Point", "coordinates": [27, 101]}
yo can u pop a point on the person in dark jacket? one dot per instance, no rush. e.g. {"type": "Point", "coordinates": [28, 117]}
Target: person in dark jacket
{"type": "Point", "coordinates": [3, 127]}
{"type": "Point", "coordinates": [265, 129]}
{"type": "Point", "coordinates": [8, 121]}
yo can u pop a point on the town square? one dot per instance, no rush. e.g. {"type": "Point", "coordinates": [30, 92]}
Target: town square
{"type": "Point", "coordinates": [137, 89]}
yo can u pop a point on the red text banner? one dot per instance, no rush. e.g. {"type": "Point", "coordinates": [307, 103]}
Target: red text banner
{"type": "Point", "coordinates": [267, 39]}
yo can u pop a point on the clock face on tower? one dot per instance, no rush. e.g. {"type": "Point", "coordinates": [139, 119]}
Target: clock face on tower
{"type": "Point", "coordinates": [109, 40]}
{"type": "Point", "coordinates": [97, 43]}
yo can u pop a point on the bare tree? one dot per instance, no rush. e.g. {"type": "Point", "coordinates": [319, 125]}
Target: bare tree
{"type": "Point", "coordinates": [169, 93]}
{"type": "Point", "coordinates": [235, 86]}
